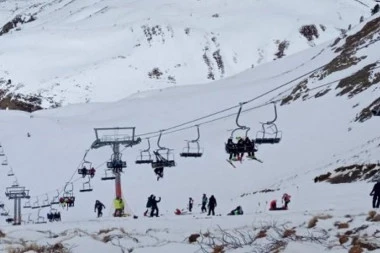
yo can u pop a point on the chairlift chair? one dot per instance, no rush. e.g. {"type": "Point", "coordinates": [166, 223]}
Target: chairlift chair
{"type": "Point", "coordinates": [269, 133]}
{"type": "Point", "coordinates": [55, 200]}
{"type": "Point", "coordinates": [86, 186]}
{"type": "Point", "coordinates": [2, 205]}
{"type": "Point", "coordinates": [46, 202]}
{"type": "Point", "coordinates": [40, 219]}
{"type": "Point", "coordinates": [145, 156]}
{"type": "Point", "coordinates": [27, 204]}
{"type": "Point", "coordinates": [233, 148]}
{"type": "Point", "coordinates": [191, 151]}
{"type": "Point", "coordinates": [108, 176]}
{"type": "Point", "coordinates": [10, 173]}
{"type": "Point", "coordinates": [36, 204]}
{"type": "Point", "coordinates": [85, 169]}
{"type": "Point", "coordinates": [164, 156]}
{"type": "Point", "coordinates": [5, 162]}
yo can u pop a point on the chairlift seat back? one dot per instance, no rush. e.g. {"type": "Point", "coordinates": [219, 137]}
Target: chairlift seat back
{"type": "Point", "coordinates": [85, 190]}
{"type": "Point", "coordinates": [116, 164]}
{"type": "Point", "coordinates": [108, 178]}
{"type": "Point", "coordinates": [190, 154]}
{"type": "Point", "coordinates": [267, 140]}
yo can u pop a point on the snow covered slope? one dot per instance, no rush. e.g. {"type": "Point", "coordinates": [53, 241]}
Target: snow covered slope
{"type": "Point", "coordinates": [71, 51]}
{"type": "Point", "coordinates": [320, 135]}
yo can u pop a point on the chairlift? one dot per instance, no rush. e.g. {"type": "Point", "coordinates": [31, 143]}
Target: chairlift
{"type": "Point", "coordinates": [86, 186]}
{"type": "Point", "coordinates": [191, 151]}
{"type": "Point", "coordinates": [237, 148]}
{"type": "Point", "coordinates": [27, 204]}
{"type": "Point", "coordinates": [10, 173]}
{"type": "Point", "coordinates": [46, 202]}
{"type": "Point", "coordinates": [36, 204]}
{"type": "Point", "coordinates": [145, 156]}
{"type": "Point", "coordinates": [164, 156]}
{"type": "Point", "coordinates": [40, 219]}
{"type": "Point", "coordinates": [86, 169]}
{"type": "Point", "coordinates": [53, 215]}
{"type": "Point", "coordinates": [2, 152]}
{"type": "Point", "coordinates": [68, 198]}
{"type": "Point", "coordinates": [4, 212]}
{"type": "Point", "coordinates": [108, 176]}
{"type": "Point", "coordinates": [376, 112]}
{"type": "Point", "coordinates": [269, 133]}
{"type": "Point", "coordinates": [55, 200]}
{"type": "Point", "coordinates": [116, 163]}
{"type": "Point", "coordinates": [5, 162]}
{"type": "Point", "coordinates": [15, 183]}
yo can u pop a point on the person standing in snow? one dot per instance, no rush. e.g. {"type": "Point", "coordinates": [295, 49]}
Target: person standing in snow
{"type": "Point", "coordinates": [376, 195]}
{"type": "Point", "coordinates": [286, 199]}
{"type": "Point", "coordinates": [154, 211]}
{"type": "Point", "coordinates": [204, 203]}
{"type": "Point", "coordinates": [99, 207]}
{"type": "Point", "coordinates": [191, 202]}
{"type": "Point", "coordinates": [211, 205]}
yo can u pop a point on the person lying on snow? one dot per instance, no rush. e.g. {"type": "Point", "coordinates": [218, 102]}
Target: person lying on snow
{"type": "Point", "coordinates": [237, 211]}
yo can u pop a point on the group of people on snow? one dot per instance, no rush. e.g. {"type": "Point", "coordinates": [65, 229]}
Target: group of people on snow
{"type": "Point", "coordinates": [237, 150]}
{"type": "Point", "coordinates": [152, 206]}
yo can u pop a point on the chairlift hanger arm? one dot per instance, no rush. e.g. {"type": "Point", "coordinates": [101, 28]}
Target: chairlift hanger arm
{"type": "Point", "coordinates": [275, 115]}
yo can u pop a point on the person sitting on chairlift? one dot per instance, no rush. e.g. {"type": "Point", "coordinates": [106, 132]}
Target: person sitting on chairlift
{"type": "Point", "coordinates": [250, 146]}
{"type": "Point", "coordinates": [231, 148]}
{"type": "Point", "coordinates": [84, 171]}
{"type": "Point", "coordinates": [240, 146]}
{"type": "Point", "coordinates": [159, 172]}
{"type": "Point", "coordinates": [92, 172]}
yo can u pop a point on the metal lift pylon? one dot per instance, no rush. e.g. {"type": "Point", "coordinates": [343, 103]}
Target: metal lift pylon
{"type": "Point", "coordinates": [114, 137]}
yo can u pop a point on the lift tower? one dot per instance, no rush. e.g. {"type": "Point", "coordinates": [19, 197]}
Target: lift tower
{"type": "Point", "coordinates": [114, 137]}
{"type": "Point", "coordinates": [17, 193]}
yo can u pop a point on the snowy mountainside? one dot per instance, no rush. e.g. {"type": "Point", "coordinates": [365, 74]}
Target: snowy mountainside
{"type": "Point", "coordinates": [319, 135]}
{"type": "Point", "coordinates": [70, 51]}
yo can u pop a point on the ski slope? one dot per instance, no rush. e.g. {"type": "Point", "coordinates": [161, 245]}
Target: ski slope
{"type": "Point", "coordinates": [103, 51]}
{"type": "Point", "coordinates": [319, 135]}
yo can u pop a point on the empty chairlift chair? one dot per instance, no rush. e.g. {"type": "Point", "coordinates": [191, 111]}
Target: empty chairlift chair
{"type": "Point", "coordinates": [269, 133]}
{"type": "Point", "coordinates": [108, 175]}
{"type": "Point", "coordinates": [189, 150]}
{"type": "Point", "coordinates": [55, 200]}
{"type": "Point", "coordinates": [45, 202]}
{"type": "Point", "coordinates": [40, 219]}
{"type": "Point", "coordinates": [145, 157]}
{"type": "Point", "coordinates": [86, 186]}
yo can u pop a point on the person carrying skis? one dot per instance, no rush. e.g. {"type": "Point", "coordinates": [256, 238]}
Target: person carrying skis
{"type": "Point", "coordinates": [191, 202]}
{"type": "Point", "coordinates": [154, 211]}
{"type": "Point", "coordinates": [376, 195]}
{"type": "Point", "coordinates": [204, 203]}
{"type": "Point", "coordinates": [148, 205]}
{"type": "Point", "coordinates": [211, 205]}
{"type": "Point", "coordinates": [99, 207]}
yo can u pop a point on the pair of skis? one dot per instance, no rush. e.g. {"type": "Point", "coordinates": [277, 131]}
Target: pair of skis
{"type": "Point", "coordinates": [250, 158]}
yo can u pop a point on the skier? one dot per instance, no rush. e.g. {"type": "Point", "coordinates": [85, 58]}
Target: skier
{"type": "Point", "coordinates": [231, 149]}
{"type": "Point", "coordinates": [99, 207]}
{"type": "Point", "coordinates": [211, 205]}
{"type": "Point", "coordinates": [154, 211]}
{"type": "Point", "coordinates": [191, 202]}
{"type": "Point", "coordinates": [286, 199]}
{"type": "Point", "coordinates": [237, 211]}
{"type": "Point", "coordinates": [204, 203]}
{"type": "Point", "coordinates": [376, 195]}
{"type": "Point", "coordinates": [240, 147]}
{"type": "Point", "coordinates": [84, 171]}
{"type": "Point", "coordinates": [250, 147]}
{"type": "Point", "coordinates": [159, 172]}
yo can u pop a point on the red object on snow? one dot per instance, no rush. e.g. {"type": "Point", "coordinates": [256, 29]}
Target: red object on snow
{"type": "Point", "coordinates": [177, 212]}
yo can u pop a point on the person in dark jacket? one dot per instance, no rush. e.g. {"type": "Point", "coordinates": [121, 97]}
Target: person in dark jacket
{"type": "Point", "coordinates": [154, 211]}
{"type": "Point", "coordinates": [376, 195]}
{"type": "Point", "coordinates": [237, 211]}
{"type": "Point", "coordinates": [204, 203]}
{"type": "Point", "coordinates": [211, 205]}
{"type": "Point", "coordinates": [99, 207]}
{"type": "Point", "coordinates": [159, 172]}
{"type": "Point", "coordinates": [231, 149]}
{"type": "Point", "coordinates": [191, 202]}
